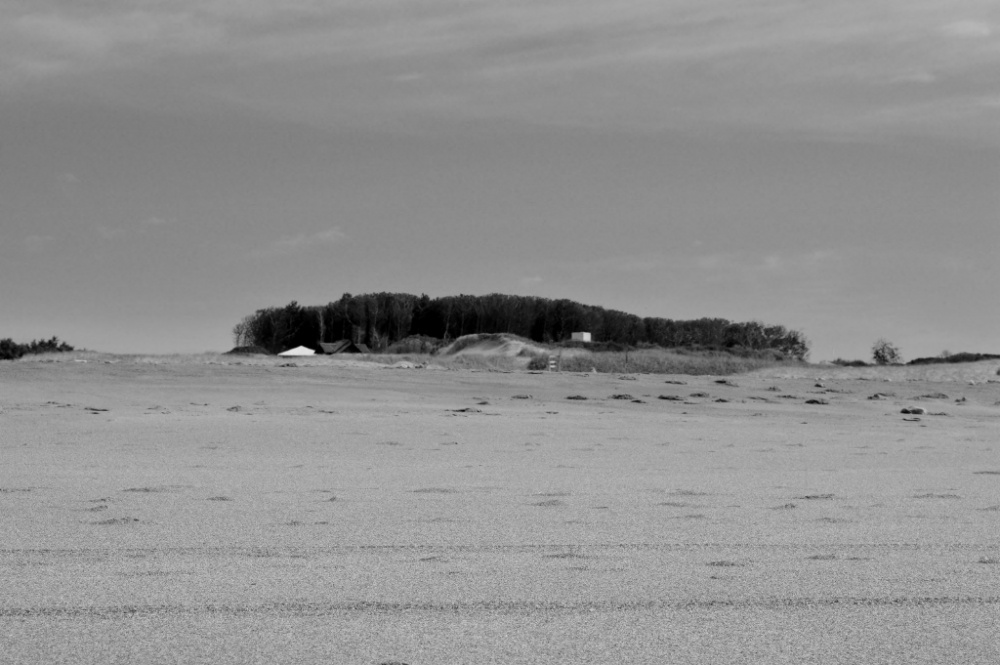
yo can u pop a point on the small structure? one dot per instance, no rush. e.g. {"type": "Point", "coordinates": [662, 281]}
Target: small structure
{"type": "Point", "coordinates": [581, 337]}
{"type": "Point", "coordinates": [343, 346]}
{"type": "Point", "coordinates": [297, 351]}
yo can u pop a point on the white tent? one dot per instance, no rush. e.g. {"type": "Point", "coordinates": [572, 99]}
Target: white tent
{"type": "Point", "coordinates": [297, 351]}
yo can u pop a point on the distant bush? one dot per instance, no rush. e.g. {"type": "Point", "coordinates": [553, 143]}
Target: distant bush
{"type": "Point", "coordinates": [11, 350]}
{"type": "Point", "coordinates": [850, 363]}
{"type": "Point", "coordinates": [955, 358]}
{"type": "Point", "coordinates": [539, 362]}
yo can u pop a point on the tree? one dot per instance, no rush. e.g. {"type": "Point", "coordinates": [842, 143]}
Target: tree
{"type": "Point", "coordinates": [10, 350]}
{"type": "Point", "coordinates": [886, 353]}
{"type": "Point", "coordinates": [243, 332]}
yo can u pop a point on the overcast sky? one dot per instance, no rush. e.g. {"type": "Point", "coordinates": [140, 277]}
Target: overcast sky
{"type": "Point", "coordinates": [168, 167]}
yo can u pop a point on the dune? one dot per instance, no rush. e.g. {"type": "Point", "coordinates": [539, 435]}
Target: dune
{"type": "Point", "coordinates": [493, 344]}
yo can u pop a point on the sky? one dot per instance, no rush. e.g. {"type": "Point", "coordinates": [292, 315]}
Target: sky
{"type": "Point", "coordinates": [167, 168]}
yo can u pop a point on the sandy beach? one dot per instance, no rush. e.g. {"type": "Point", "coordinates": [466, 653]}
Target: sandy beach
{"type": "Point", "coordinates": [348, 512]}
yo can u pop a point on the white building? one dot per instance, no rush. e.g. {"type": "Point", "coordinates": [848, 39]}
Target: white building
{"type": "Point", "coordinates": [581, 337]}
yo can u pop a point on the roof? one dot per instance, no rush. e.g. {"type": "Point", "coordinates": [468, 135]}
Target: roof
{"type": "Point", "coordinates": [298, 351]}
{"type": "Point", "coordinates": [343, 346]}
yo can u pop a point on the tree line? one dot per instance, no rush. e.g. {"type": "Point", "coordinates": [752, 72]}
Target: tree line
{"type": "Point", "coordinates": [382, 319]}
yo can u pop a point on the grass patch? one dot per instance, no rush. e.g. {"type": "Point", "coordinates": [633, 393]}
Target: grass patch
{"type": "Point", "coordinates": [472, 361]}
{"type": "Point", "coordinates": [664, 361]}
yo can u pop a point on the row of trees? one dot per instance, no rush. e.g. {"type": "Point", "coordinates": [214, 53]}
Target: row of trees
{"type": "Point", "coordinates": [380, 319]}
{"type": "Point", "coordinates": [11, 350]}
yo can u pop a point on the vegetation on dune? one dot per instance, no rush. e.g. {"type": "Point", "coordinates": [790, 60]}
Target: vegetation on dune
{"type": "Point", "coordinates": [248, 351]}
{"type": "Point", "coordinates": [478, 340]}
{"type": "Point", "coordinates": [382, 320]}
{"type": "Point", "coordinates": [11, 350]}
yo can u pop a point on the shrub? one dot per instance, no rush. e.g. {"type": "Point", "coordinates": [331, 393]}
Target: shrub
{"type": "Point", "coordinates": [850, 363]}
{"type": "Point", "coordinates": [420, 344]}
{"type": "Point", "coordinates": [539, 362]}
{"type": "Point", "coordinates": [886, 353]}
{"type": "Point", "coordinates": [11, 350]}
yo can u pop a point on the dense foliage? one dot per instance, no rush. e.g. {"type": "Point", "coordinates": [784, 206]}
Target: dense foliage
{"type": "Point", "coordinates": [11, 350]}
{"type": "Point", "coordinates": [383, 319]}
{"type": "Point", "coordinates": [955, 358]}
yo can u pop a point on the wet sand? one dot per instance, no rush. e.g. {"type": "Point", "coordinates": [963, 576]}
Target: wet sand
{"type": "Point", "coordinates": [343, 513]}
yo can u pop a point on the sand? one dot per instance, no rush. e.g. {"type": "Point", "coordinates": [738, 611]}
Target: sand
{"type": "Point", "coordinates": [345, 512]}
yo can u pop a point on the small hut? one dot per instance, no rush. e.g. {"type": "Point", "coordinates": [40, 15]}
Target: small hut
{"type": "Point", "coordinates": [297, 351]}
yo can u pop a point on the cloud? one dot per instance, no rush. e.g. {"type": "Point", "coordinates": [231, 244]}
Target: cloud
{"type": "Point", "coordinates": [735, 264]}
{"type": "Point", "coordinates": [54, 39]}
{"type": "Point", "coordinates": [632, 263]}
{"type": "Point", "coordinates": [712, 262]}
{"type": "Point", "coordinates": [151, 222]}
{"type": "Point", "coordinates": [797, 263]}
{"type": "Point", "coordinates": [968, 29]}
{"type": "Point", "coordinates": [486, 37]}
{"type": "Point", "coordinates": [783, 65]}
{"type": "Point", "coordinates": [287, 245]}
{"type": "Point", "coordinates": [140, 227]}
{"type": "Point", "coordinates": [37, 243]}
{"type": "Point", "coordinates": [110, 232]}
